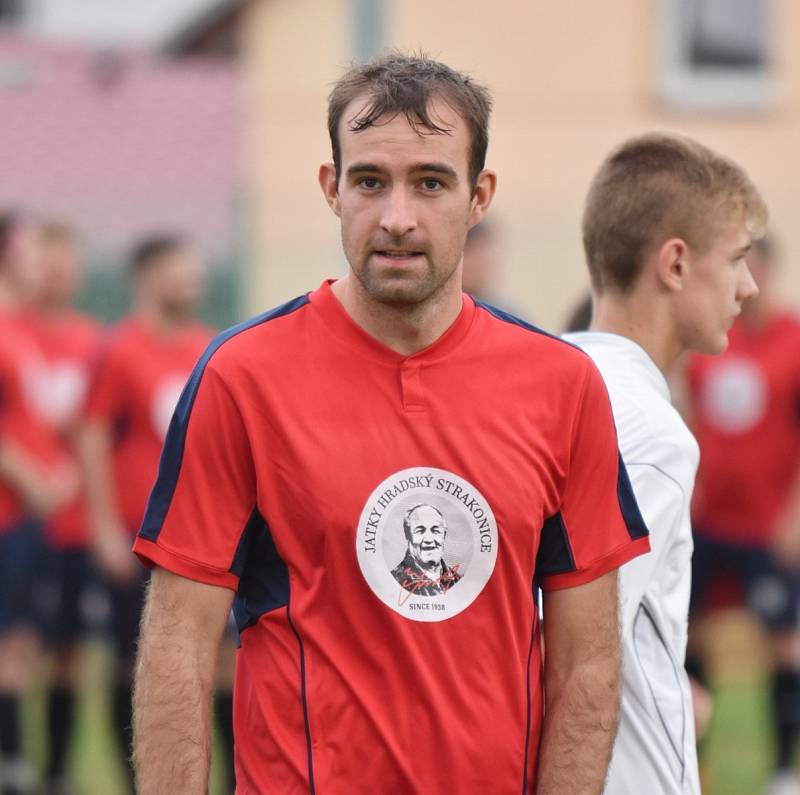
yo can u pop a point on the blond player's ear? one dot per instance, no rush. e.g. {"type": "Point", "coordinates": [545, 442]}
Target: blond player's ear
{"type": "Point", "coordinates": [327, 181]}
{"type": "Point", "coordinates": [482, 196]}
{"type": "Point", "coordinates": [672, 263]}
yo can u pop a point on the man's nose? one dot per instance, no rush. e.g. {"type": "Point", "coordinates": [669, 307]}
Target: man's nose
{"type": "Point", "coordinates": [747, 287]}
{"type": "Point", "coordinates": [398, 217]}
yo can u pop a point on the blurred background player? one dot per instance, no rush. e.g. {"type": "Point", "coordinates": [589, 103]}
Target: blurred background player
{"type": "Point", "coordinates": [35, 480]}
{"type": "Point", "coordinates": [67, 342]}
{"type": "Point", "coordinates": [483, 256]}
{"type": "Point", "coordinates": [140, 375]}
{"type": "Point", "coordinates": [745, 411]}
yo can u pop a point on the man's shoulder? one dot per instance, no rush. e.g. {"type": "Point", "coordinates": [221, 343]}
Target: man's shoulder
{"type": "Point", "coordinates": [251, 339]}
{"type": "Point", "coordinates": [503, 328]}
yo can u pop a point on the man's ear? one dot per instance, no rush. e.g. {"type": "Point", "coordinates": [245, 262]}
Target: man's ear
{"type": "Point", "coordinates": [327, 181]}
{"type": "Point", "coordinates": [672, 264]}
{"type": "Point", "coordinates": [482, 196]}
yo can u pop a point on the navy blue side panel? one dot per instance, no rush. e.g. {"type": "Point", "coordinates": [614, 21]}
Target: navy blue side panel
{"type": "Point", "coordinates": [303, 692]}
{"type": "Point", "coordinates": [263, 576]}
{"type": "Point", "coordinates": [528, 717]}
{"type": "Point", "coordinates": [555, 553]}
{"type": "Point", "coordinates": [628, 505]}
{"type": "Point", "coordinates": [501, 314]}
{"type": "Point", "coordinates": [172, 454]}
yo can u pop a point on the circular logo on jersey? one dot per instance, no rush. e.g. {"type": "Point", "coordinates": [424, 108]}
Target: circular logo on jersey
{"type": "Point", "coordinates": [165, 400]}
{"type": "Point", "coordinates": [427, 543]}
{"type": "Point", "coordinates": [734, 397]}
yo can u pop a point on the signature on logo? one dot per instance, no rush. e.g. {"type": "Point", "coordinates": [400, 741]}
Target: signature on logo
{"type": "Point", "coordinates": [417, 582]}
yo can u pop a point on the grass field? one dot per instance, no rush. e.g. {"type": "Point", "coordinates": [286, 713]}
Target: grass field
{"type": "Point", "coordinates": [96, 767]}
{"type": "Point", "coordinates": [737, 750]}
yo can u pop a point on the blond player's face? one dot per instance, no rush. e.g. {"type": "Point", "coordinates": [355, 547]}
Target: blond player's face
{"type": "Point", "coordinates": [717, 284]}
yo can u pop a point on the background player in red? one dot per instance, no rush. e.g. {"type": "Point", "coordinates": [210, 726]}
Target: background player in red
{"type": "Point", "coordinates": [67, 342]}
{"type": "Point", "coordinates": [303, 440]}
{"type": "Point", "coordinates": [746, 416]}
{"type": "Point", "coordinates": [141, 372]}
{"type": "Point", "coordinates": [35, 480]}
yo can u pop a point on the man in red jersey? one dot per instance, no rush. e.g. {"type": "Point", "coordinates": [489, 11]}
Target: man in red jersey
{"type": "Point", "coordinates": [746, 512]}
{"type": "Point", "coordinates": [67, 342]}
{"type": "Point", "coordinates": [35, 479]}
{"type": "Point", "coordinates": [136, 384]}
{"type": "Point", "coordinates": [304, 438]}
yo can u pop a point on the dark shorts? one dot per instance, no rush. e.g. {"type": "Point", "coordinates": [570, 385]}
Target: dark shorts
{"type": "Point", "coordinates": [69, 601]}
{"type": "Point", "coordinates": [127, 602]}
{"type": "Point", "coordinates": [20, 564]}
{"type": "Point", "coordinates": [771, 591]}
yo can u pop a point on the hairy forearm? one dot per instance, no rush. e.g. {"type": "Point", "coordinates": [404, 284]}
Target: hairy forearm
{"type": "Point", "coordinates": [580, 723]}
{"type": "Point", "coordinates": [172, 712]}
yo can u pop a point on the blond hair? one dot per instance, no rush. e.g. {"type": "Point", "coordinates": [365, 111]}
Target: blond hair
{"type": "Point", "coordinates": [655, 187]}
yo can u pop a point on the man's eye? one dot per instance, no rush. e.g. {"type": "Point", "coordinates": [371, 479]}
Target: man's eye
{"type": "Point", "coordinates": [432, 184]}
{"type": "Point", "coordinates": [370, 183]}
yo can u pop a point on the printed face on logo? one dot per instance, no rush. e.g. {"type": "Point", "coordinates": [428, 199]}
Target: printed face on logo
{"type": "Point", "coordinates": [426, 543]}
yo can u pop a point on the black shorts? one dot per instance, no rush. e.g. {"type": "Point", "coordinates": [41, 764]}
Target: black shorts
{"type": "Point", "coordinates": [20, 562]}
{"type": "Point", "coordinates": [69, 600]}
{"type": "Point", "coordinates": [127, 602]}
{"type": "Point", "coordinates": [771, 591]}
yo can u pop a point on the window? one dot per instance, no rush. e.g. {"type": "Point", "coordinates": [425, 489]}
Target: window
{"type": "Point", "coordinates": [718, 53]}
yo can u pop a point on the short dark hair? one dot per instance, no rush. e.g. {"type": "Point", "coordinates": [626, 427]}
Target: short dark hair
{"type": "Point", "coordinates": [150, 250]}
{"type": "Point", "coordinates": [398, 83]}
{"type": "Point", "coordinates": [654, 187]}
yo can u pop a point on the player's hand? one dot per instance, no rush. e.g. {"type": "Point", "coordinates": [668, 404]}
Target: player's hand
{"type": "Point", "coordinates": [53, 491]}
{"type": "Point", "coordinates": [703, 708]}
{"type": "Point", "coordinates": [112, 548]}
{"type": "Point", "coordinates": [785, 544]}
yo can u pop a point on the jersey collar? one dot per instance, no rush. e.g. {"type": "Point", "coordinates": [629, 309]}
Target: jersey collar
{"type": "Point", "coordinates": [335, 317]}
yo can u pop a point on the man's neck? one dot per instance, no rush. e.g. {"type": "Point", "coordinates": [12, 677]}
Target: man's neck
{"type": "Point", "coordinates": [162, 324]}
{"type": "Point", "coordinates": [645, 322]}
{"type": "Point", "coordinates": [405, 329]}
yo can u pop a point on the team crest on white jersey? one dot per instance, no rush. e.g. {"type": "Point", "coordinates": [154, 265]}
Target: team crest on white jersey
{"type": "Point", "coordinates": [426, 543]}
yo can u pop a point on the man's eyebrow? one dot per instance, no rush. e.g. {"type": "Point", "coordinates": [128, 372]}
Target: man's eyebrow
{"type": "Point", "coordinates": [436, 168]}
{"type": "Point", "coordinates": [361, 168]}
{"type": "Point", "coordinates": [429, 168]}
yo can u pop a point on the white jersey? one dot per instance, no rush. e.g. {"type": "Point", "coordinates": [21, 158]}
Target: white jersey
{"type": "Point", "coordinates": [655, 748]}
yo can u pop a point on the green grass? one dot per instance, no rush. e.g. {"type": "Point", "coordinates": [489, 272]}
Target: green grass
{"type": "Point", "coordinates": [738, 750]}
{"type": "Point", "coordinates": [96, 767]}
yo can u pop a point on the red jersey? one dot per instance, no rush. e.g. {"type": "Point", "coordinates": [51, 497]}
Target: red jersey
{"type": "Point", "coordinates": [135, 388]}
{"type": "Point", "coordinates": [22, 376]}
{"type": "Point", "coordinates": [384, 520]}
{"type": "Point", "coordinates": [746, 407]}
{"type": "Point", "coordinates": [69, 348]}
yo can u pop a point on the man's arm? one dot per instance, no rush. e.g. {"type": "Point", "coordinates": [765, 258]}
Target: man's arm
{"type": "Point", "coordinates": [111, 543]}
{"type": "Point", "coordinates": [182, 626]}
{"type": "Point", "coordinates": [581, 687]}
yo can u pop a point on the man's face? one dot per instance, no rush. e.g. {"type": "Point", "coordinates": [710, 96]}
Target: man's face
{"type": "Point", "coordinates": [61, 264]}
{"type": "Point", "coordinates": [24, 261]}
{"type": "Point", "coordinates": [176, 284]}
{"type": "Point", "coordinates": [717, 284]}
{"type": "Point", "coordinates": [426, 535]}
{"type": "Point", "coordinates": [405, 204]}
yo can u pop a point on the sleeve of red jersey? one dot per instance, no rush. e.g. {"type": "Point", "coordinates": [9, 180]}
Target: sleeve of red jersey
{"type": "Point", "coordinates": [598, 526]}
{"type": "Point", "coordinates": [107, 392]}
{"type": "Point", "coordinates": [202, 508]}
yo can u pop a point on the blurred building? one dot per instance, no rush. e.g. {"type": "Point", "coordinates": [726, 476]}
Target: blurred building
{"type": "Point", "coordinates": [571, 80]}
{"type": "Point", "coordinates": [124, 122]}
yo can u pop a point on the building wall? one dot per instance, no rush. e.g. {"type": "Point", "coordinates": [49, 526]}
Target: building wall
{"type": "Point", "coordinates": [570, 79]}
